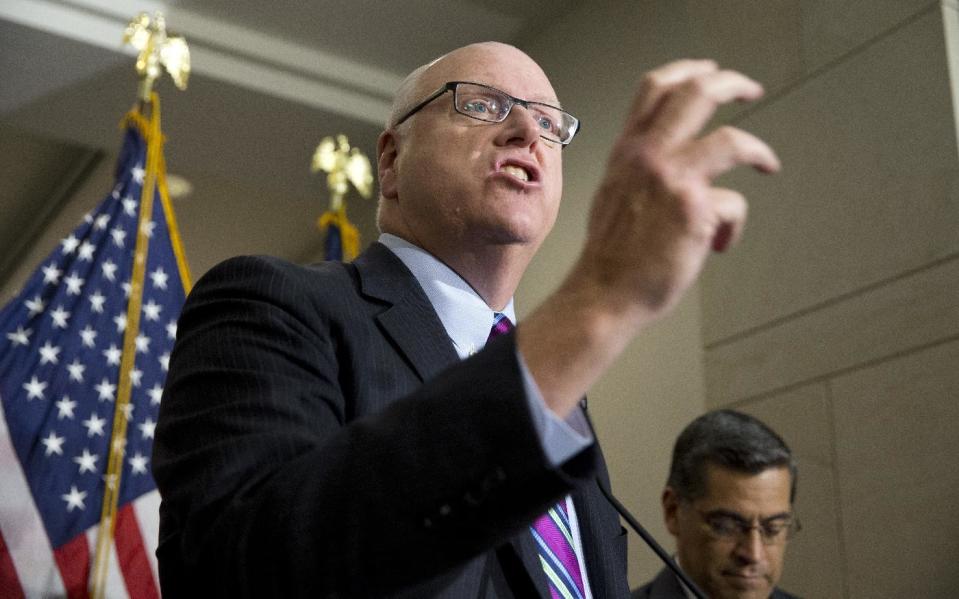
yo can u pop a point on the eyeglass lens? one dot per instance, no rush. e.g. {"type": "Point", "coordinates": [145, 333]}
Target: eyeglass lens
{"type": "Point", "coordinates": [491, 105]}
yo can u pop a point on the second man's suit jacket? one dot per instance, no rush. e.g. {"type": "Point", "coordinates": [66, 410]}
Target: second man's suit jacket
{"type": "Point", "coordinates": [319, 436]}
{"type": "Point", "coordinates": [667, 586]}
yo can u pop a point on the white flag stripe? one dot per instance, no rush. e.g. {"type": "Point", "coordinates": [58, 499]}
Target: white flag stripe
{"type": "Point", "coordinates": [22, 527]}
{"type": "Point", "coordinates": [116, 588]}
{"type": "Point", "coordinates": [147, 510]}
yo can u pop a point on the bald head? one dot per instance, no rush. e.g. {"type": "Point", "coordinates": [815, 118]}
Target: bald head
{"type": "Point", "coordinates": [476, 194]}
{"type": "Point", "coordinates": [430, 76]}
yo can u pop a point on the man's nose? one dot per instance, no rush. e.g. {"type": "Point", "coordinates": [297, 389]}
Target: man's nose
{"type": "Point", "coordinates": [750, 548]}
{"type": "Point", "coordinates": [519, 127]}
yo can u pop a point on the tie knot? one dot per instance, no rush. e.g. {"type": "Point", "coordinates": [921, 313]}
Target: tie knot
{"type": "Point", "coordinates": [501, 326]}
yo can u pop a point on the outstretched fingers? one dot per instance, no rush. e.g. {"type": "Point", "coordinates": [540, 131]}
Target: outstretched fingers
{"type": "Point", "coordinates": [659, 82]}
{"type": "Point", "coordinates": [730, 209]}
{"type": "Point", "coordinates": [726, 148]}
{"type": "Point", "coordinates": [689, 106]}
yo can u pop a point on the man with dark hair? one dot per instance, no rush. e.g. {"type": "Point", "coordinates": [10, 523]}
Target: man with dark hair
{"type": "Point", "coordinates": [728, 501]}
{"type": "Point", "coordinates": [378, 428]}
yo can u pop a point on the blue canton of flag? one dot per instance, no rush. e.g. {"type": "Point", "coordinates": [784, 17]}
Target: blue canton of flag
{"type": "Point", "coordinates": [61, 343]}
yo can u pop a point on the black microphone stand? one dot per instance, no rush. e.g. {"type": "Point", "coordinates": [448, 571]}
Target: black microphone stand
{"type": "Point", "coordinates": [656, 547]}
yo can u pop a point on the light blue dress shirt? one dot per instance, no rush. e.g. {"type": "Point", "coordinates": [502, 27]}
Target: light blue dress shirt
{"type": "Point", "coordinates": [467, 320]}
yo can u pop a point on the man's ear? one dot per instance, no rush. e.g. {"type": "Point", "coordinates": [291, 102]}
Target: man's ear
{"type": "Point", "coordinates": [386, 154]}
{"type": "Point", "coordinates": [671, 510]}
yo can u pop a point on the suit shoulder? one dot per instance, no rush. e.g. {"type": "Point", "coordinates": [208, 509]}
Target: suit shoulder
{"type": "Point", "coordinates": [273, 277]}
{"type": "Point", "coordinates": [259, 267]}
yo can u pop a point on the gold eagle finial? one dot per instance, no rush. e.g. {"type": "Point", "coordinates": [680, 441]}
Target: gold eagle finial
{"type": "Point", "coordinates": [157, 48]}
{"type": "Point", "coordinates": [343, 165]}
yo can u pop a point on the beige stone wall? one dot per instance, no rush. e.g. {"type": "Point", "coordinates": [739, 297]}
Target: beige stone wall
{"type": "Point", "coordinates": [837, 318]}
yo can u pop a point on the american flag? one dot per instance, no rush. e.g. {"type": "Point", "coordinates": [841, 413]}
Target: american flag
{"type": "Point", "coordinates": [61, 343]}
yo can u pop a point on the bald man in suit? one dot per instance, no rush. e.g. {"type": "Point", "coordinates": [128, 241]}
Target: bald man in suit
{"type": "Point", "coordinates": [346, 430]}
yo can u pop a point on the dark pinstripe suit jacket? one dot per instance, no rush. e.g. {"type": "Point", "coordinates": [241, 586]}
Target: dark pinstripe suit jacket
{"type": "Point", "coordinates": [667, 586]}
{"type": "Point", "coordinates": [320, 437]}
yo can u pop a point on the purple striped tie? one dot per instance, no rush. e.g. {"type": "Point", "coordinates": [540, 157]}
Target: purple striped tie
{"type": "Point", "coordinates": [551, 531]}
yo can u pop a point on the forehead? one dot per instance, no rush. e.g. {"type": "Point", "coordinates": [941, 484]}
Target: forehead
{"type": "Point", "coordinates": [497, 65]}
{"type": "Point", "coordinates": [752, 495]}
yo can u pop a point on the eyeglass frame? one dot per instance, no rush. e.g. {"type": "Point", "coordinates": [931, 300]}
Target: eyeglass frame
{"type": "Point", "coordinates": [513, 101]}
{"type": "Point", "coordinates": [744, 527]}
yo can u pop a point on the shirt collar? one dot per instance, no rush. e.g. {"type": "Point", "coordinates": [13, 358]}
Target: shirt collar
{"type": "Point", "coordinates": [465, 316]}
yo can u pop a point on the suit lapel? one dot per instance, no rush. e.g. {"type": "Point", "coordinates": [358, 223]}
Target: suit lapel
{"type": "Point", "coordinates": [525, 547]}
{"type": "Point", "coordinates": [585, 501]}
{"type": "Point", "coordinates": [409, 320]}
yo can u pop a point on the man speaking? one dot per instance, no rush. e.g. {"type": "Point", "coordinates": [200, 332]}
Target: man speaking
{"type": "Point", "coordinates": [380, 428]}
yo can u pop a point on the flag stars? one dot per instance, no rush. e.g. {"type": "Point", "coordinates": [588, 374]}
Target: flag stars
{"type": "Point", "coordinates": [35, 305]}
{"type": "Point", "coordinates": [112, 354]}
{"type": "Point", "coordinates": [165, 361]}
{"type": "Point", "coordinates": [137, 172]}
{"type": "Point", "coordinates": [159, 278]}
{"type": "Point", "coordinates": [74, 498]}
{"type": "Point", "coordinates": [101, 222]}
{"type": "Point", "coordinates": [76, 369]}
{"type": "Point", "coordinates": [105, 389]}
{"type": "Point", "coordinates": [86, 251]}
{"type": "Point", "coordinates": [53, 444]}
{"type": "Point", "coordinates": [138, 463]}
{"type": "Point", "coordinates": [156, 394]}
{"type": "Point", "coordinates": [60, 317]}
{"type": "Point", "coordinates": [118, 236]}
{"type": "Point", "coordinates": [88, 336]}
{"type": "Point", "coordinates": [96, 301]}
{"type": "Point", "coordinates": [20, 337]}
{"type": "Point", "coordinates": [49, 354]}
{"type": "Point", "coordinates": [69, 245]}
{"type": "Point", "coordinates": [87, 461]}
{"type": "Point", "coordinates": [129, 206]}
{"type": "Point", "coordinates": [109, 270]}
{"type": "Point", "coordinates": [126, 289]}
{"type": "Point", "coordinates": [65, 408]}
{"type": "Point", "coordinates": [74, 284]}
{"type": "Point", "coordinates": [121, 322]}
{"type": "Point", "coordinates": [136, 377]}
{"type": "Point", "coordinates": [94, 425]}
{"type": "Point", "coordinates": [171, 330]}
{"type": "Point", "coordinates": [147, 428]}
{"type": "Point", "coordinates": [143, 344]}
{"type": "Point", "coordinates": [152, 310]}
{"type": "Point", "coordinates": [128, 411]}
{"type": "Point", "coordinates": [35, 388]}
{"type": "Point", "coordinates": [51, 274]}
{"type": "Point", "coordinates": [147, 228]}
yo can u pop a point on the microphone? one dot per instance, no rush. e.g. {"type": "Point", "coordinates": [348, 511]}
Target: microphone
{"type": "Point", "coordinates": [656, 547]}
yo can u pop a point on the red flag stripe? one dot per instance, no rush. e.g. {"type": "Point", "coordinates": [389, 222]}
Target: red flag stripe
{"type": "Point", "coordinates": [73, 559]}
{"type": "Point", "coordinates": [9, 582]}
{"type": "Point", "coordinates": [24, 536]}
{"type": "Point", "coordinates": [137, 573]}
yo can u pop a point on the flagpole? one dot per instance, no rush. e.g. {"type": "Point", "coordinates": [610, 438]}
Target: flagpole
{"type": "Point", "coordinates": [111, 493]}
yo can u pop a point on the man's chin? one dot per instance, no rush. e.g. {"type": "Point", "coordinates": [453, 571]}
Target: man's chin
{"type": "Point", "coordinates": [743, 586]}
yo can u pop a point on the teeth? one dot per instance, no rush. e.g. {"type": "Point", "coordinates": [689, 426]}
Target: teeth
{"type": "Point", "coordinates": [519, 173]}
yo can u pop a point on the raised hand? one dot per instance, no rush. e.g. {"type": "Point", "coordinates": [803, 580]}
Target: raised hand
{"type": "Point", "coordinates": [655, 218]}
{"type": "Point", "coordinates": [657, 214]}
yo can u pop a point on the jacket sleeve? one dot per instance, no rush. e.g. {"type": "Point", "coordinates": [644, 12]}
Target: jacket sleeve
{"type": "Point", "coordinates": [271, 485]}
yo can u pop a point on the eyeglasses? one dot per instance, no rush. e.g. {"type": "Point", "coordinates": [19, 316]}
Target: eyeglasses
{"type": "Point", "coordinates": [488, 104]}
{"type": "Point", "coordinates": [731, 527]}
